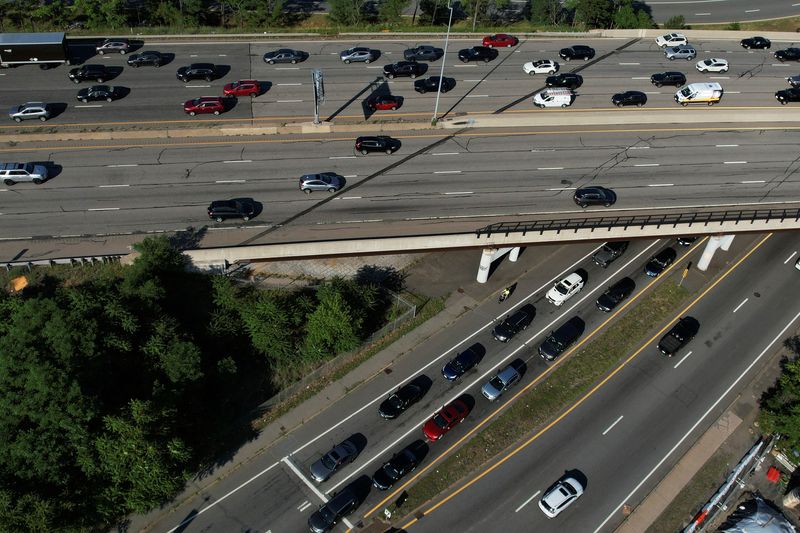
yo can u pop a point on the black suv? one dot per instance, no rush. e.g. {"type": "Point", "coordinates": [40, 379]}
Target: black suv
{"type": "Point", "coordinates": [432, 84]}
{"type": "Point", "coordinates": [97, 73]}
{"type": "Point", "coordinates": [636, 98]}
{"type": "Point", "coordinates": [379, 143]}
{"type": "Point", "coordinates": [615, 294]}
{"type": "Point", "coordinates": [668, 78]}
{"type": "Point", "coordinates": [197, 71]}
{"type": "Point", "coordinates": [515, 323]}
{"type": "Point", "coordinates": [790, 54]}
{"type": "Point", "coordinates": [609, 253]}
{"type": "Point", "coordinates": [423, 53]}
{"type": "Point", "coordinates": [659, 262]}
{"type": "Point", "coordinates": [561, 339]}
{"type": "Point", "coordinates": [477, 53]}
{"type": "Point", "coordinates": [328, 515]}
{"type": "Point", "coordinates": [755, 42]}
{"type": "Point", "coordinates": [679, 336]}
{"type": "Point", "coordinates": [565, 79]}
{"type": "Point", "coordinates": [404, 68]}
{"type": "Point", "coordinates": [151, 57]}
{"type": "Point", "coordinates": [587, 196]}
{"type": "Point", "coordinates": [578, 51]}
{"type": "Point", "coordinates": [788, 95]}
{"type": "Point", "coordinates": [220, 210]}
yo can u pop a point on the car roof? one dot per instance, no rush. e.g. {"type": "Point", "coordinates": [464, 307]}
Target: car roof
{"type": "Point", "coordinates": [573, 278]}
{"type": "Point", "coordinates": [33, 104]}
{"type": "Point", "coordinates": [201, 65]}
{"type": "Point", "coordinates": [507, 373]}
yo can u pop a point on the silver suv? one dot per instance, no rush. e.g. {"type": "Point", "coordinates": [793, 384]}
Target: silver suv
{"type": "Point", "coordinates": [504, 380]}
{"type": "Point", "coordinates": [684, 51]}
{"type": "Point", "coordinates": [29, 111]}
{"type": "Point", "coordinates": [359, 54]}
{"type": "Point", "coordinates": [324, 181]}
{"type": "Point", "coordinates": [11, 173]}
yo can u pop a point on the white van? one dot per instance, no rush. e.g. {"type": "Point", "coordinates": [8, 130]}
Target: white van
{"type": "Point", "coordinates": [699, 93]}
{"type": "Point", "coordinates": [554, 98]}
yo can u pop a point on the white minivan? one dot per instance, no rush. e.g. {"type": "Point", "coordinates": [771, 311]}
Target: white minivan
{"type": "Point", "coordinates": [554, 98]}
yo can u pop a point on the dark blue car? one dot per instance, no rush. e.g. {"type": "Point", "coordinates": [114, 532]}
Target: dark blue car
{"type": "Point", "coordinates": [461, 363]}
{"type": "Point", "coordinates": [659, 262]}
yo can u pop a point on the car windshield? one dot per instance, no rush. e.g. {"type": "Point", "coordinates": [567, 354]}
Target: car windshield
{"type": "Point", "coordinates": [327, 515]}
{"type": "Point", "coordinates": [328, 461]}
{"type": "Point", "coordinates": [562, 288]}
{"type": "Point", "coordinates": [497, 383]}
{"type": "Point", "coordinates": [555, 342]}
{"type": "Point", "coordinates": [395, 401]}
{"type": "Point", "coordinates": [440, 421]}
{"type": "Point", "coordinates": [391, 470]}
{"type": "Point", "coordinates": [457, 366]}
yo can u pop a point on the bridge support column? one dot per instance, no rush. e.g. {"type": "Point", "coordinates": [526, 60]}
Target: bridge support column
{"type": "Point", "coordinates": [708, 253]}
{"type": "Point", "coordinates": [725, 242]}
{"type": "Point", "coordinates": [488, 256]}
{"type": "Point", "coordinates": [513, 255]}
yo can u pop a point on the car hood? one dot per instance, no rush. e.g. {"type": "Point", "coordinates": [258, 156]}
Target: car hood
{"type": "Point", "coordinates": [606, 303]}
{"type": "Point", "coordinates": [382, 480]}
{"type": "Point", "coordinates": [490, 391]}
{"type": "Point", "coordinates": [320, 471]}
{"type": "Point", "coordinates": [549, 349]}
{"type": "Point", "coordinates": [318, 523]}
{"type": "Point", "coordinates": [388, 410]}
{"type": "Point", "coordinates": [502, 331]}
{"type": "Point", "coordinates": [449, 371]}
{"type": "Point", "coordinates": [432, 430]}
{"type": "Point", "coordinates": [654, 267]}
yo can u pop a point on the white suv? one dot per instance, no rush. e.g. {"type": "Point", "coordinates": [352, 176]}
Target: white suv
{"type": "Point", "coordinates": [565, 289]}
{"type": "Point", "coordinates": [671, 39]}
{"type": "Point", "coordinates": [540, 66]}
{"type": "Point", "coordinates": [11, 173]}
{"type": "Point", "coordinates": [712, 65]}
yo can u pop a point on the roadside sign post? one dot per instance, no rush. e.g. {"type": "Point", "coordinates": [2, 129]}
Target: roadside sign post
{"type": "Point", "coordinates": [685, 273]}
{"type": "Point", "coordinates": [319, 92]}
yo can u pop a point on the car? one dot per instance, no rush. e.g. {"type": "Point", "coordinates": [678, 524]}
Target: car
{"type": "Point", "coordinates": [609, 253]}
{"type": "Point", "coordinates": [797, 264]}
{"type": "Point", "coordinates": [713, 64]}
{"type": "Point", "coordinates": [686, 241]}
{"type": "Point", "coordinates": [220, 210]}
{"type": "Point", "coordinates": [204, 105]}
{"type": "Point", "coordinates": [678, 336]}
{"type": "Point", "coordinates": [576, 52]}
{"type": "Point", "coordinates": [99, 73]}
{"type": "Point", "coordinates": [627, 98]}
{"type": "Point", "coordinates": [115, 46]}
{"type": "Point", "coordinates": [376, 143]}
{"type": "Point", "coordinates": [151, 57]}
{"type": "Point", "coordinates": [668, 78]}
{"type": "Point", "coordinates": [785, 96]}
{"type": "Point", "coordinates": [343, 453]}
{"type": "Point", "coordinates": [423, 53]}
{"type": "Point", "coordinates": [446, 419]}
{"type": "Point", "coordinates": [560, 495]}
{"type": "Point", "coordinates": [409, 69]}
{"type": "Point", "coordinates": [562, 338]}
{"type": "Point", "coordinates": [565, 79]}
{"type": "Point", "coordinates": [12, 173]}
{"type": "Point", "coordinates": [251, 88]}
{"type": "Point", "coordinates": [794, 81]}
{"type": "Point", "coordinates": [671, 39]}
{"type": "Point", "coordinates": [586, 196]}
{"type": "Point", "coordinates": [504, 380]}
{"type": "Point", "coordinates": [400, 465]}
{"type": "Point", "coordinates": [400, 400]}
{"type": "Point", "coordinates": [197, 71]}
{"type": "Point", "coordinates": [615, 294]}
{"type": "Point", "coordinates": [540, 66]}
{"type": "Point", "coordinates": [565, 289]}
{"type": "Point", "coordinates": [384, 102]}
{"type": "Point", "coordinates": [659, 262]}
{"type": "Point", "coordinates": [431, 84]}
{"type": "Point", "coordinates": [322, 181]}
{"type": "Point", "coordinates": [98, 92]}
{"type": "Point", "coordinates": [28, 111]}
{"type": "Point", "coordinates": [328, 515]}
{"type": "Point", "coordinates": [499, 40]}
{"type": "Point", "coordinates": [788, 54]}
{"type": "Point", "coordinates": [285, 55]}
{"type": "Point", "coordinates": [359, 54]}
{"type": "Point", "coordinates": [515, 323]}
{"type": "Point", "coordinates": [683, 51]}
{"type": "Point", "coordinates": [461, 364]}
{"type": "Point", "coordinates": [477, 53]}
{"type": "Point", "coordinates": [755, 42]}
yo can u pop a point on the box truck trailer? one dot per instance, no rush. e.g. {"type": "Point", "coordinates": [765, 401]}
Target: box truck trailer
{"type": "Point", "coordinates": [44, 49]}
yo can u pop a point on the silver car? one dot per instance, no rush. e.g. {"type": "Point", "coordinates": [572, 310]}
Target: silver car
{"type": "Point", "coordinates": [341, 454]}
{"type": "Point", "coordinates": [684, 51]}
{"type": "Point", "coordinates": [359, 54]}
{"type": "Point", "coordinates": [503, 381]}
{"type": "Point", "coordinates": [116, 46]}
{"type": "Point", "coordinates": [324, 181]}
{"type": "Point", "coordinates": [11, 173]}
{"type": "Point", "coordinates": [29, 111]}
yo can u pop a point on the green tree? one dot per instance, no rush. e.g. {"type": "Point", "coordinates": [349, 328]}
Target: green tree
{"type": "Point", "coordinates": [780, 406]}
{"type": "Point", "coordinates": [347, 12]}
{"type": "Point", "coordinates": [332, 327]}
{"type": "Point", "coordinates": [547, 12]}
{"type": "Point", "coordinates": [594, 13]}
{"type": "Point", "coordinates": [269, 329]}
{"type": "Point", "coordinates": [676, 22]}
{"type": "Point", "coordinates": [390, 11]}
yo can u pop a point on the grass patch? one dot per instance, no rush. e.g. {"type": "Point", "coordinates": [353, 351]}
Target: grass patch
{"type": "Point", "coordinates": [562, 387]}
{"type": "Point", "coordinates": [783, 24]}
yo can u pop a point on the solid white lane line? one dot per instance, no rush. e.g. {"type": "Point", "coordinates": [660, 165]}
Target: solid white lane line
{"type": "Point", "coordinates": [719, 77]}
{"type": "Point", "coordinates": [120, 166]}
{"type": "Point", "coordinates": [112, 186]}
{"type": "Point", "coordinates": [239, 161]}
{"type": "Point", "coordinates": [447, 172]}
{"type": "Point", "coordinates": [477, 96]}
{"type": "Point", "coordinates": [630, 64]}
{"type": "Point", "coordinates": [640, 77]}
{"type": "Point", "coordinates": [638, 147]}
{"type": "Point", "coordinates": [287, 68]}
{"type": "Point", "coordinates": [288, 101]}
{"type": "Point", "coordinates": [460, 192]}
{"type": "Point", "coordinates": [350, 197]}
{"type": "Point", "coordinates": [288, 84]}
{"type": "Point", "coordinates": [682, 359]}
{"type": "Point", "coordinates": [97, 105]}
{"type": "Point", "coordinates": [752, 181]}
{"type": "Point", "coordinates": [741, 304]}
{"type": "Point", "coordinates": [646, 165]}
{"type": "Point", "coordinates": [734, 92]}
{"type": "Point", "coordinates": [562, 189]}
{"type": "Point", "coordinates": [104, 209]}
{"type": "Point", "coordinates": [734, 162]}
{"type": "Point", "coordinates": [464, 65]}
{"type": "Point", "coordinates": [197, 86]}
{"type": "Point", "coordinates": [526, 502]}
{"type": "Point", "coordinates": [342, 157]}
{"type": "Point", "coordinates": [790, 257]}
{"type": "Point", "coordinates": [660, 184]}
{"type": "Point", "coordinates": [550, 168]}
{"type": "Point", "coordinates": [446, 153]}
{"type": "Point", "coordinates": [351, 176]}
{"type": "Point", "coordinates": [726, 145]}
{"type": "Point", "coordinates": [609, 428]}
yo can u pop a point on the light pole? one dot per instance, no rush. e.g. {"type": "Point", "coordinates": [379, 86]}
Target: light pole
{"type": "Point", "coordinates": [441, 74]}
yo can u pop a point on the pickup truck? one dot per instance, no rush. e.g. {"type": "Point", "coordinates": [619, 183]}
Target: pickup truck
{"type": "Point", "coordinates": [679, 336]}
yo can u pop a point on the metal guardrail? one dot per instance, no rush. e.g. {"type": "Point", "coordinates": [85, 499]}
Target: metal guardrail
{"type": "Point", "coordinates": [704, 218]}
{"type": "Point", "coordinates": [74, 261]}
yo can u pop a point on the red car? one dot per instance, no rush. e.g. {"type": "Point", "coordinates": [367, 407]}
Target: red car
{"type": "Point", "coordinates": [384, 102]}
{"type": "Point", "coordinates": [449, 417]}
{"type": "Point", "coordinates": [501, 39]}
{"type": "Point", "coordinates": [204, 104]}
{"type": "Point", "coordinates": [242, 88]}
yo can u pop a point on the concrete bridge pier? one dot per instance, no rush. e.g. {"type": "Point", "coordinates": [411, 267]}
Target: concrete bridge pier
{"type": "Point", "coordinates": [722, 242]}
{"type": "Point", "coordinates": [489, 255]}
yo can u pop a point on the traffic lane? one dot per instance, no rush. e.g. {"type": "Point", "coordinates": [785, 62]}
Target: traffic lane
{"type": "Point", "coordinates": [699, 12]}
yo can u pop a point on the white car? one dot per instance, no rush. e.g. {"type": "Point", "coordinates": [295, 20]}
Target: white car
{"type": "Point", "coordinates": [560, 495]}
{"type": "Point", "coordinates": [671, 39]}
{"type": "Point", "coordinates": [565, 289]}
{"type": "Point", "coordinates": [540, 66]}
{"type": "Point", "coordinates": [712, 65]}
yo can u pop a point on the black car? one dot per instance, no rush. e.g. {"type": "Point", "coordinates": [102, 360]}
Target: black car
{"type": "Point", "coordinates": [401, 400]}
{"type": "Point", "coordinates": [285, 55]}
{"type": "Point", "coordinates": [432, 84]}
{"type": "Point", "coordinates": [659, 262]}
{"type": "Point", "coordinates": [98, 73]}
{"type": "Point", "coordinates": [609, 253]}
{"type": "Point", "coordinates": [785, 96]}
{"type": "Point", "coordinates": [152, 58]}
{"type": "Point", "coordinates": [98, 92]}
{"type": "Point", "coordinates": [398, 466]}
{"type": "Point", "coordinates": [578, 51]}
{"type": "Point", "coordinates": [377, 143]}
{"type": "Point", "coordinates": [789, 54]}
{"type": "Point", "coordinates": [515, 323]}
{"type": "Point", "coordinates": [559, 340]}
{"type": "Point", "coordinates": [755, 42]}
{"type": "Point", "coordinates": [477, 53]}
{"type": "Point", "coordinates": [679, 336]}
{"type": "Point", "coordinates": [461, 363]}
{"type": "Point", "coordinates": [328, 515]}
{"type": "Point", "coordinates": [409, 69]}
{"type": "Point", "coordinates": [615, 294]}
{"type": "Point", "coordinates": [565, 79]}
{"type": "Point", "coordinates": [423, 53]}
{"type": "Point", "coordinates": [197, 71]}
{"type": "Point", "coordinates": [668, 78]}
{"type": "Point", "coordinates": [586, 196]}
{"type": "Point", "coordinates": [636, 98]}
{"type": "Point", "coordinates": [686, 241]}
{"type": "Point", "coordinates": [220, 210]}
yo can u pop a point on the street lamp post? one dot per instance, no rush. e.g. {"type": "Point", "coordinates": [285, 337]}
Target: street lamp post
{"type": "Point", "coordinates": [441, 74]}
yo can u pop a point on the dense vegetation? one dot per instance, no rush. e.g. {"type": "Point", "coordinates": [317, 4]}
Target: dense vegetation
{"type": "Point", "coordinates": [780, 405]}
{"type": "Point", "coordinates": [117, 387]}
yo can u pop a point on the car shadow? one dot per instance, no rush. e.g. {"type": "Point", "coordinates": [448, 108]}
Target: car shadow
{"type": "Point", "coordinates": [583, 274]}
{"type": "Point", "coordinates": [264, 87]}
{"type": "Point", "coordinates": [220, 71]}
{"type": "Point", "coordinates": [258, 207]}
{"type": "Point", "coordinates": [121, 92]}
{"type": "Point", "coordinates": [420, 449]}
{"type": "Point", "coordinates": [579, 476]}
{"type": "Point", "coordinates": [113, 73]}
{"type": "Point", "coordinates": [167, 58]}
{"type": "Point", "coordinates": [423, 382]}
{"type": "Point", "coordinates": [53, 169]}
{"type": "Point", "coordinates": [579, 324]}
{"type": "Point", "coordinates": [379, 88]}
{"type": "Point", "coordinates": [135, 45]}
{"type": "Point", "coordinates": [359, 440]}
{"type": "Point", "coordinates": [692, 325]}
{"type": "Point", "coordinates": [56, 109]}
{"type": "Point", "coordinates": [520, 366]}
{"type": "Point", "coordinates": [361, 486]}
{"type": "Point", "coordinates": [469, 400]}
{"type": "Point", "coordinates": [229, 102]}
